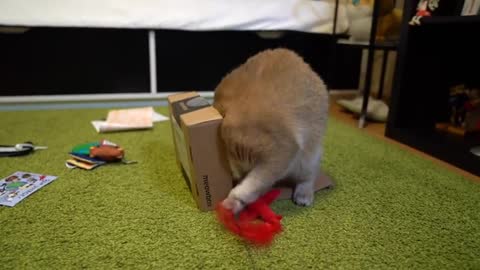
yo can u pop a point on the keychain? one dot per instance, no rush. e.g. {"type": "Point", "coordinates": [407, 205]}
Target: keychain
{"type": "Point", "coordinates": [19, 149]}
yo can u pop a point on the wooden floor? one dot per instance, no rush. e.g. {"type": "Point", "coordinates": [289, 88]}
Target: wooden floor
{"type": "Point", "coordinates": [378, 130]}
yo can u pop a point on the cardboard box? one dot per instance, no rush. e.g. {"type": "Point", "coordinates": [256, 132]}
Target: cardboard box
{"type": "Point", "coordinates": [200, 152]}
{"type": "Point", "coordinates": [195, 128]}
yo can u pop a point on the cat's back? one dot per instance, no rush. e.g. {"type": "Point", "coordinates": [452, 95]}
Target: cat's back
{"type": "Point", "coordinates": [271, 104]}
{"type": "Point", "coordinates": [274, 76]}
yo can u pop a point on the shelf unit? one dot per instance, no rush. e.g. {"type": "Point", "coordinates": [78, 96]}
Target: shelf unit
{"type": "Point", "coordinates": [371, 45]}
{"type": "Point", "coordinates": [385, 47]}
{"type": "Point", "coordinates": [441, 52]}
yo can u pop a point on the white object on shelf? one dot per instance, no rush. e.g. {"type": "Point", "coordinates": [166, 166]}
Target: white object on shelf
{"type": "Point", "coordinates": [376, 110]}
{"type": "Point", "coordinates": [471, 7]}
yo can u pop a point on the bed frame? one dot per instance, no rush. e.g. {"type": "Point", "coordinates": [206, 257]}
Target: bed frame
{"type": "Point", "coordinates": [63, 63]}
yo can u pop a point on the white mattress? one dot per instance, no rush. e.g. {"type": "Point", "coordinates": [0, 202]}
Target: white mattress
{"type": "Point", "coordinates": [196, 15]}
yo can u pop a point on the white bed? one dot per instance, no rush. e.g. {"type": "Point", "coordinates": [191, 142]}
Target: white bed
{"type": "Point", "coordinates": [273, 16]}
{"type": "Point", "coordinates": [196, 15]}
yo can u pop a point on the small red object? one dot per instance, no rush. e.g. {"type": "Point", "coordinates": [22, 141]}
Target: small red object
{"type": "Point", "coordinates": [248, 226]}
{"type": "Point", "coordinates": [107, 152]}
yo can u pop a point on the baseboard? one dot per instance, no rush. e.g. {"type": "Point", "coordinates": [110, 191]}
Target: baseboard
{"type": "Point", "coordinates": [55, 102]}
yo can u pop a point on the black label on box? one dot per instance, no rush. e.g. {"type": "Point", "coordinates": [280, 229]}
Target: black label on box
{"type": "Point", "coordinates": [188, 105]}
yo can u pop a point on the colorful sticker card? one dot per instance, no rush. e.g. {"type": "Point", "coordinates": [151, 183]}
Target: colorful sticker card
{"type": "Point", "coordinates": [16, 187]}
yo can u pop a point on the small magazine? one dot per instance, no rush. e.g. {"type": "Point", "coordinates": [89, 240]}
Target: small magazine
{"type": "Point", "coordinates": [19, 185]}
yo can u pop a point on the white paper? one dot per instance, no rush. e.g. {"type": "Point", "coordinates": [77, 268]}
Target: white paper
{"type": "Point", "coordinates": [102, 126]}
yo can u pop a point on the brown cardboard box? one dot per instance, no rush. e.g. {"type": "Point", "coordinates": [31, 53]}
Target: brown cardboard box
{"type": "Point", "coordinates": [200, 153]}
{"type": "Point", "coordinates": [195, 126]}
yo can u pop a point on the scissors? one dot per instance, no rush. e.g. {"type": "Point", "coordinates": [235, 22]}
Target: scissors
{"type": "Point", "coordinates": [19, 149]}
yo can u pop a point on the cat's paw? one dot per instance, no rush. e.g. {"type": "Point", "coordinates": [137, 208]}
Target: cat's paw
{"type": "Point", "coordinates": [233, 204]}
{"type": "Point", "coordinates": [303, 197]}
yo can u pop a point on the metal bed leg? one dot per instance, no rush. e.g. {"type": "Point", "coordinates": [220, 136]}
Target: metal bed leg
{"type": "Point", "coordinates": [152, 61]}
{"type": "Point", "coordinates": [381, 86]}
{"type": "Point", "coordinates": [371, 51]}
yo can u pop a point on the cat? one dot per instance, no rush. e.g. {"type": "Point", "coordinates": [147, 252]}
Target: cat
{"type": "Point", "coordinates": [275, 112]}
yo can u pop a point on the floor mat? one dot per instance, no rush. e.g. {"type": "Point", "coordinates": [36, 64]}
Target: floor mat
{"type": "Point", "coordinates": [389, 208]}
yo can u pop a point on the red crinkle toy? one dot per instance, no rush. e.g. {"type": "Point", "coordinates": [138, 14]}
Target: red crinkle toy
{"type": "Point", "coordinates": [247, 225]}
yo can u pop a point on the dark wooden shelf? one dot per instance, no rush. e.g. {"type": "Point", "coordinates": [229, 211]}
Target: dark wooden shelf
{"type": "Point", "coordinates": [450, 19]}
{"type": "Point", "coordinates": [433, 57]}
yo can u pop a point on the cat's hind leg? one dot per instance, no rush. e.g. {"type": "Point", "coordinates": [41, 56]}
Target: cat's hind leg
{"type": "Point", "coordinates": [306, 174]}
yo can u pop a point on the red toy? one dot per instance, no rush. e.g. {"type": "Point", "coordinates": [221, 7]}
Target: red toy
{"type": "Point", "coordinates": [107, 152]}
{"type": "Point", "coordinates": [247, 225]}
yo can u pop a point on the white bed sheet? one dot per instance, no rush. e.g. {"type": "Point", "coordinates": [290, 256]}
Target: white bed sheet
{"type": "Point", "coordinates": [299, 15]}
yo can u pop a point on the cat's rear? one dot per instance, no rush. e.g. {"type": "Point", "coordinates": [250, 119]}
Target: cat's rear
{"type": "Point", "coordinates": [275, 110]}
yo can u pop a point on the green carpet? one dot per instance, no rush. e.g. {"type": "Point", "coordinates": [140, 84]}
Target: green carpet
{"type": "Point", "coordinates": [389, 209]}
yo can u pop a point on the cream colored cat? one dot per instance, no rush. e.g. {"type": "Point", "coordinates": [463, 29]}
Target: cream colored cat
{"type": "Point", "coordinates": [275, 110]}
